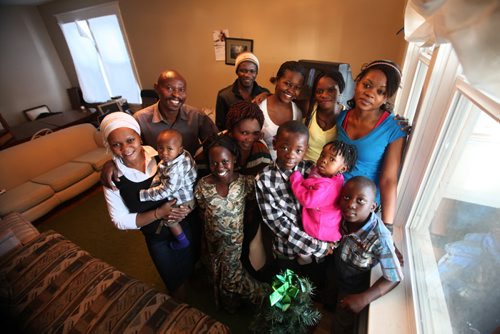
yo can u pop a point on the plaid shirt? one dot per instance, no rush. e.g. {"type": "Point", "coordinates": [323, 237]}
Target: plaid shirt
{"type": "Point", "coordinates": [281, 212]}
{"type": "Point", "coordinates": [370, 245]}
{"type": "Point", "coordinates": [174, 180]}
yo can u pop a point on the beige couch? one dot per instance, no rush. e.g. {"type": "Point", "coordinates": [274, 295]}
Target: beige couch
{"type": "Point", "coordinates": [50, 285]}
{"type": "Point", "coordinates": [40, 174]}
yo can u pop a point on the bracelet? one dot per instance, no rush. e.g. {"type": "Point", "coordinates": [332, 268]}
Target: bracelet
{"type": "Point", "coordinates": [155, 213]}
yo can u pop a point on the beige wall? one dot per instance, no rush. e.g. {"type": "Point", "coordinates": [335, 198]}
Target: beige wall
{"type": "Point", "coordinates": [31, 72]}
{"type": "Point", "coordinates": [343, 31]}
{"type": "Point", "coordinates": [178, 34]}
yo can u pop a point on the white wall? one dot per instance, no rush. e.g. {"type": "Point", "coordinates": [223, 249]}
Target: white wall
{"type": "Point", "coordinates": [31, 72]}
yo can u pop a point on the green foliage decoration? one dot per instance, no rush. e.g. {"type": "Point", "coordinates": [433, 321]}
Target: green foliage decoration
{"type": "Point", "coordinates": [289, 308]}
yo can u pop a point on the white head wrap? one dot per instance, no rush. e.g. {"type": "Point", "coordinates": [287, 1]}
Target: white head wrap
{"type": "Point", "coordinates": [117, 120]}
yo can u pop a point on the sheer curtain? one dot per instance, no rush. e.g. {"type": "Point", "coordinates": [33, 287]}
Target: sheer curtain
{"type": "Point", "coordinates": [101, 59]}
{"type": "Point", "coordinates": [472, 27]}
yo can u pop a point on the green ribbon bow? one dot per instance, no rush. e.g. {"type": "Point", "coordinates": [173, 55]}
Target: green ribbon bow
{"type": "Point", "coordinates": [286, 288]}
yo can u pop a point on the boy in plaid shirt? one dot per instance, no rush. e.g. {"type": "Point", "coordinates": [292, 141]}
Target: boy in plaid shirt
{"type": "Point", "coordinates": [174, 180]}
{"type": "Point", "coordinates": [280, 209]}
{"type": "Point", "coordinates": [365, 243]}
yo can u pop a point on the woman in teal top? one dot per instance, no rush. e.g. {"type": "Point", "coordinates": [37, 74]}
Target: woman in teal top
{"type": "Point", "coordinates": [375, 134]}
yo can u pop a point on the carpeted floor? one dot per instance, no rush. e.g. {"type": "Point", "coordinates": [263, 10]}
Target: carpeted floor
{"type": "Point", "coordinates": [85, 221]}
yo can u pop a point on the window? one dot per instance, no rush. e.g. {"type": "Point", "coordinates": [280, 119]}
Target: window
{"type": "Point", "coordinates": [414, 74]}
{"type": "Point", "coordinates": [100, 53]}
{"type": "Point", "coordinates": [449, 201]}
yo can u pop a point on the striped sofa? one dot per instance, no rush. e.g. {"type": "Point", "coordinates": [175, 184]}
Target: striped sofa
{"type": "Point", "coordinates": [49, 284]}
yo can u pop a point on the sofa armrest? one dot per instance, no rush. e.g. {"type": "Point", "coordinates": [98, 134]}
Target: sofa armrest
{"type": "Point", "coordinates": [98, 139]}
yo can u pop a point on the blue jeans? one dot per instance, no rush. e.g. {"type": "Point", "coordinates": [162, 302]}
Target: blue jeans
{"type": "Point", "coordinates": [174, 266]}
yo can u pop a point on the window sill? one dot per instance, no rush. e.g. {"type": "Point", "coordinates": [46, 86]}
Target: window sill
{"type": "Point", "coordinates": [390, 313]}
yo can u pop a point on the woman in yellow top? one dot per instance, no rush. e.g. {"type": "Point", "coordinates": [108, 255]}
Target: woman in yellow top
{"type": "Point", "coordinates": [322, 118]}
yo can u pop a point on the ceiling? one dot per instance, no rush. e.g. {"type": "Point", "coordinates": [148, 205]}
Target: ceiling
{"type": "Point", "coordinates": [23, 2]}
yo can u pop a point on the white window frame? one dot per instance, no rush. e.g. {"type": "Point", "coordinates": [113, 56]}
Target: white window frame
{"type": "Point", "coordinates": [434, 104]}
{"type": "Point", "coordinates": [109, 8]}
{"type": "Point", "coordinates": [401, 311]}
{"type": "Point", "coordinates": [437, 99]}
{"type": "Point", "coordinates": [433, 101]}
{"type": "Point", "coordinates": [413, 84]}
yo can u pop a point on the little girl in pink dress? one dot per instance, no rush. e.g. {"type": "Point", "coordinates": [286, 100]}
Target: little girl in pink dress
{"type": "Point", "coordinates": [319, 193]}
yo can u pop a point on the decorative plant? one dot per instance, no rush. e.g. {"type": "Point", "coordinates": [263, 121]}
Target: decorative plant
{"type": "Point", "coordinates": [289, 308]}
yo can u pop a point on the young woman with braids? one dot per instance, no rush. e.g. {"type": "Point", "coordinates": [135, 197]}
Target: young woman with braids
{"type": "Point", "coordinates": [244, 123]}
{"type": "Point", "coordinates": [377, 136]}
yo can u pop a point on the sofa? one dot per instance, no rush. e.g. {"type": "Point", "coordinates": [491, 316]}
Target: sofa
{"type": "Point", "coordinates": [38, 175]}
{"type": "Point", "coordinates": [48, 284]}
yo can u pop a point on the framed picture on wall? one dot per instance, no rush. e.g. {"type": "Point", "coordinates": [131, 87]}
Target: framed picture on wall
{"type": "Point", "coordinates": [235, 46]}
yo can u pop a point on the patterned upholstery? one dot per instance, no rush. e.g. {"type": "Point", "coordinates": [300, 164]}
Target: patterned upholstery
{"type": "Point", "coordinates": [51, 285]}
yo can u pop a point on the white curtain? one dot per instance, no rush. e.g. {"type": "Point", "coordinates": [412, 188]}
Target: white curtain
{"type": "Point", "coordinates": [471, 26]}
{"type": "Point", "coordinates": [101, 59]}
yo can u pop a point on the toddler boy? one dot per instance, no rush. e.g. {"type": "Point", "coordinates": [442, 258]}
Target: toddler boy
{"type": "Point", "coordinates": [366, 242]}
{"type": "Point", "coordinates": [174, 180]}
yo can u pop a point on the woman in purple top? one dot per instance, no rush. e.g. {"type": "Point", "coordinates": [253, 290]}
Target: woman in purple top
{"type": "Point", "coordinates": [377, 136]}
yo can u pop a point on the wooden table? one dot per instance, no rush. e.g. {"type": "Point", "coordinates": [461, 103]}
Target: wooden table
{"type": "Point", "coordinates": [23, 132]}
{"type": "Point", "coordinates": [69, 118]}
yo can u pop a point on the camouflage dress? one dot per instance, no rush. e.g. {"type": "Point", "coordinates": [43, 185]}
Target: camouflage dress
{"type": "Point", "coordinates": [223, 231]}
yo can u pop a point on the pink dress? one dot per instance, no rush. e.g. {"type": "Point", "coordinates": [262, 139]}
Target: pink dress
{"type": "Point", "coordinates": [318, 195]}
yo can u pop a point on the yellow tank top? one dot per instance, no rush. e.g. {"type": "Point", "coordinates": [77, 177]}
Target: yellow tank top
{"type": "Point", "coordinates": [318, 138]}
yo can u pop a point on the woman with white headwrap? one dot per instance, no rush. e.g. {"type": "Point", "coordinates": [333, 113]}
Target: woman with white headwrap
{"type": "Point", "coordinates": [137, 166]}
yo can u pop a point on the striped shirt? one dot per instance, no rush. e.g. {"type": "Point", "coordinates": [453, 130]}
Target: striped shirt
{"type": "Point", "coordinates": [281, 212]}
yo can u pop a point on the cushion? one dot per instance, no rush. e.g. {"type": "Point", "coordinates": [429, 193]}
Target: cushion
{"type": "Point", "coordinates": [96, 158]}
{"type": "Point", "coordinates": [22, 228]}
{"type": "Point", "coordinates": [54, 286]}
{"type": "Point", "coordinates": [64, 176]}
{"type": "Point", "coordinates": [23, 197]}
{"type": "Point", "coordinates": [8, 241]}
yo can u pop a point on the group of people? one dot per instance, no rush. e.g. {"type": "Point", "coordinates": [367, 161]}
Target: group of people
{"type": "Point", "coordinates": [228, 197]}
